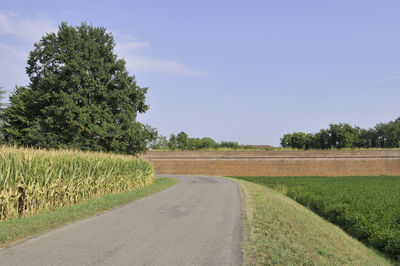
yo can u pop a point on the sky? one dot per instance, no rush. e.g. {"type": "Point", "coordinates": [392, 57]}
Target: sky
{"type": "Point", "coordinates": [245, 71]}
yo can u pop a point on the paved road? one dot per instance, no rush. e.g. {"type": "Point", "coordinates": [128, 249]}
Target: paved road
{"type": "Point", "coordinates": [196, 222]}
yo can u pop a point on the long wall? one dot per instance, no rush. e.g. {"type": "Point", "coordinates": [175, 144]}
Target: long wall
{"type": "Point", "coordinates": [277, 163]}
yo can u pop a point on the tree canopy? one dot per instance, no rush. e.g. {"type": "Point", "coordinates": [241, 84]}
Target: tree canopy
{"type": "Point", "coordinates": [343, 135]}
{"type": "Point", "coordinates": [182, 141]}
{"type": "Point", "coordinates": [80, 95]}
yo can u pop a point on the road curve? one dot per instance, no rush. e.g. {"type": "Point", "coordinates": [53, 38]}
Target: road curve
{"type": "Point", "coordinates": [196, 222]}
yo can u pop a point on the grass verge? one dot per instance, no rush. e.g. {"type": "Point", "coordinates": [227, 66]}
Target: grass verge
{"type": "Point", "coordinates": [18, 229]}
{"type": "Point", "coordinates": [278, 230]}
{"type": "Point", "coordinates": [365, 207]}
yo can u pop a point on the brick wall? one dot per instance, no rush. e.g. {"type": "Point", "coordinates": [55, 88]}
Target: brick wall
{"type": "Point", "coordinates": [277, 163]}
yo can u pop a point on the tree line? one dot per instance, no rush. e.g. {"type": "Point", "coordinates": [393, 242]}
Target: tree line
{"type": "Point", "coordinates": [182, 141]}
{"type": "Point", "coordinates": [343, 135]}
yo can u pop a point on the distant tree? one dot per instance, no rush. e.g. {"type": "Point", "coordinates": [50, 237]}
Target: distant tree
{"type": "Point", "coordinates": [310, 141]}
{"type": "Point", "coordinates": [194, 144]}
{"type": "Point", "coordinates": [182, 140]}
{"type": "Point", "coordinates": [321, 139]}
{"type": "Point", "coordinates": [79, 96]}
{"type": "Point", "coordinates": [160, 142]}
{"type": "Point", "coordinates": [343, 135]}
{"type": "Point", "coordinates": [296, 140]}
{"type": "Point", "coordinates": [229, 144]}
{"type": "Point", "coordinates": [368, 138]}
{"type": "Point", "coordinates": [285, 141]}
{"type": "Point", "coordinates": [393, 133]}
{"type": "Point", "coordinates": [172, 145]}
{"type": "Point", "coordinates": [339, 136]}
{"type": "Point", "coordinates": [3, 122]}
{"type": "Point", "coordinates": [208, 143]}
{"type": "Point", "coordinates": [388, 134]}
{"type": "Point", "coordinates": [380, 129]}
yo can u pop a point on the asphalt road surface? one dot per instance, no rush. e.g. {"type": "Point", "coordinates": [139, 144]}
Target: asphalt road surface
{"type": "Point", "coordinates": [195, 222]}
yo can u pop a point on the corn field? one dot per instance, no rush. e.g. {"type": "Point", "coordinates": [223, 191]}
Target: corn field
{"type": "Point", "coordinates": [33, 181]}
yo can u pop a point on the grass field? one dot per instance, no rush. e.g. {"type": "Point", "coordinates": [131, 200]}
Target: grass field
{"type": "Point", "coordinates": [367, 208]}
{"type": "Point", "coordinates": [34, 181]}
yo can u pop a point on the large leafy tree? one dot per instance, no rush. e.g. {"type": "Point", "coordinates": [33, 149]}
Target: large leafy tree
{"type": "Point", "coordinates": [80, 95]}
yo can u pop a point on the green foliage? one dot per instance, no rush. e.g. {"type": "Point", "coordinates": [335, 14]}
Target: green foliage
{"type": "Point", "coordinates": [296, 140]}
{"type": "Point", "coordinates": [160, 142]}
{"type": "Point", "coordinates": [183, 142]}
{"type": "Point", "coordinates": [3, 121]}
{"type": "Point", "coordinates": [208, 143]}
{"type": "Point", "coordinates": [80, 96]}
{"type": "Point", "coordinates": [229, 144]}
{"type": "Point", "coordinates": [343, 135]}
{"type": "Point", "coordinates": [172, 145]}
{"type": "Point", "coordinates": [20, 114]}
{"type": "Point", "coordinates": [368, 208]}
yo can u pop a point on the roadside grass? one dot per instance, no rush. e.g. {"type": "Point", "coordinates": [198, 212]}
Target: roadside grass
{"type": "Point", "coordinates": [17, 229]}
{"type": "Point", "coordinates": [278, 230]}
{"type": "Point", "coordinates": [365, 207]}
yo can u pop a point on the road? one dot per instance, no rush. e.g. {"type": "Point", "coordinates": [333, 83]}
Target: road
{"type": "Point", "coordinates": [195, 222]}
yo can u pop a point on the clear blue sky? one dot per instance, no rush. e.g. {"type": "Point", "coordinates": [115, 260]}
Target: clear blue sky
{"type": "Point", "coordinates": [247, 71]}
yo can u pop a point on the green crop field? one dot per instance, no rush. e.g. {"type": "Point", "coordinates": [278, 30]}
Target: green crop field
{"type": "Point", "coordinates": [368, 208]}
{"type": "Point", "coordinates": [34, 181]}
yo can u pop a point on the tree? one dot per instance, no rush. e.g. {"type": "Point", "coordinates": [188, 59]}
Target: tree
{"type": "Point", "coordinates": [172, 145]}
{"type": "Point", "coordinates": [388, 134]}
{"type": "Point", "coordinates": [193, 144]}
{"type": "Point", "coordinates": [208, 143]}
{"type": "Point", "coordinates": [343, 135]}
{"type": "Point", "coordinates": [297, 140]}
{"type": "Point", "coordinates": [182, 140]}
{"type": "Point", "coordinates": [368, 138]}
{"type": "Point", "coordinates": [3, 121]}
{"type": "Point", "coordinates": [20, 115]}
{"type": "Point", "coordinates": [321, 139]}
{"type": "Point", "coordinates": [79, 96]}
{"type": "Point", "coordinates": [229, 144]}
{"type": "Point", "coordinates": [285, 141]}
{"type": "Point", "coordinates": [160, 142]}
